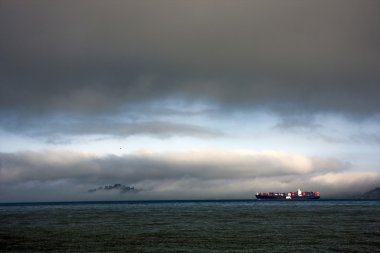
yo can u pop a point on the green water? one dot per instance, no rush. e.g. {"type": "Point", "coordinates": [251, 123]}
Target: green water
{"type": "Point", "coordinates": [199, 226]}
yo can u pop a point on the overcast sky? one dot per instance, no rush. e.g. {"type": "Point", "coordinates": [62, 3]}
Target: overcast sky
{"type": "Point", "coordinates": [188, 99]}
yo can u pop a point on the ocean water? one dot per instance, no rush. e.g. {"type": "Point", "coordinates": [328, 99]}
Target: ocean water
{"type": "Point", "coordinates": [192, 226]}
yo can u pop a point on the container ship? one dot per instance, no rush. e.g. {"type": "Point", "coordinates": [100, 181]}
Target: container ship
{"type": "Point", "coordinates": [299, 195]}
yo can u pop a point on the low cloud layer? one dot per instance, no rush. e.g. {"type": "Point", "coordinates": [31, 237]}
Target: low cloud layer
{"type": "Point", "coordinates": [192, 174]}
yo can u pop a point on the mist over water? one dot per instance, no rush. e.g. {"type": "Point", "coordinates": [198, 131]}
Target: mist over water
{"type": "Point", "coordinates": [192, 226]}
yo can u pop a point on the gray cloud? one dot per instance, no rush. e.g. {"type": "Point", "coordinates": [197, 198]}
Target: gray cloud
{"type": "Point", "coordinates": [192, 174]}
{"type": "Point", "coordinates": [60, 132]}
{"type": "Point", "coordinates": [367, 138]}
{"type": "Point", "coordinates": [96, 56]}
{"type": "Point", "coordinates": [320, 127]}
{"type": "Point", "coordinates": [303, 123]}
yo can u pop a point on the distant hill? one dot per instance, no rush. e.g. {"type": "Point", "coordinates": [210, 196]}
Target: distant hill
{"type": "Point", "coordinates": [118, 187]}
{"type": "Point", "coordinates": [373, 194]}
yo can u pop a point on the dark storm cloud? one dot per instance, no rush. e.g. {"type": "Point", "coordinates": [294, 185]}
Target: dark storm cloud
{"type": "Point", "coordinates": [95, 56]}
